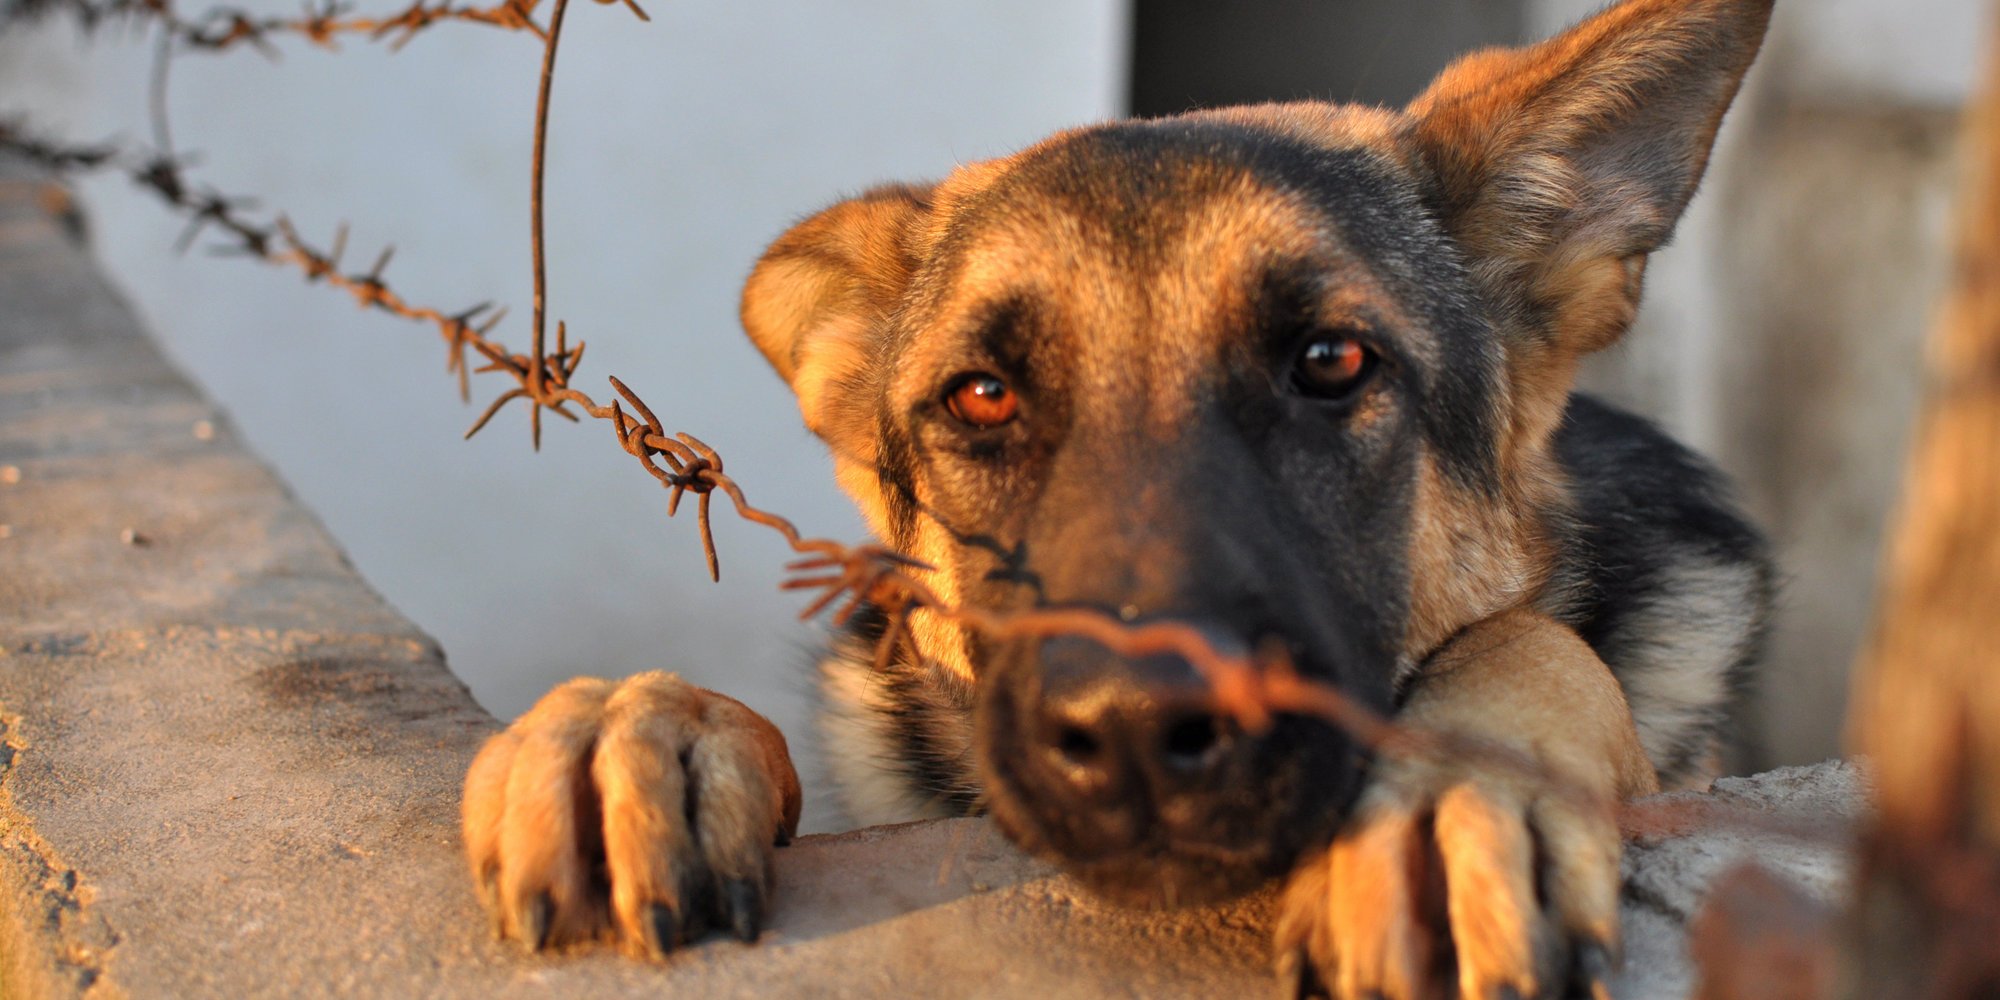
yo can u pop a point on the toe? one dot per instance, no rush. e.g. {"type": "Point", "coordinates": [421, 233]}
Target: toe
{"type": "Point", "coordinates": [548, 835]}
{"type": "Point", "coordinates": [1298, 975]}
{"type": "Point", "coordinates": [745, 800]}
{"type": "Point", "coordinates": [1385, 950]}
{"type": "Point", "coordinates": [651, 858]}
{"type": "Point", "coordinates": [1580, 880]}
{"type": "Point", "coordinates": [481, 810]}
{"type": "Point", "coordinates": [1352, 922]}
{"type": "Point", "coordinates": [1580, 849]}
{"type": "Point", "coordinates": [1303, 941]}
{"type": "Point", "coordinates": [1488, 859]}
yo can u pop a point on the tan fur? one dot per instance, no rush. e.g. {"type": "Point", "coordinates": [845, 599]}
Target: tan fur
{"type": "Point", "coordinates": [1377, 872]}
{"type": "Point", "coordinates": [1519, 683]}
{"type": "Point", "coordinates": [1489, 867]}
{"type": "Point", "coordinates": [640, 788]}
{"type": "Point", "coordinates": [544, 842]}
{"type": "Point", "coordinates": [814, 300]}
{"type": "Point", "coordinates": [595, 770]}
{"type": "Point", "coordinates": [1469, 558]}
{"type": "Point", "coordinates": [1526, 145]}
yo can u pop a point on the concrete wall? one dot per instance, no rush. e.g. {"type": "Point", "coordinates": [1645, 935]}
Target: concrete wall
{"type": "Point", "coordinates": [679, 149]}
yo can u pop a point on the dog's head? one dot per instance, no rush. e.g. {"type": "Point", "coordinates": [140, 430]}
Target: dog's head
{"type": "Point", "coordinates": [1286, 372]}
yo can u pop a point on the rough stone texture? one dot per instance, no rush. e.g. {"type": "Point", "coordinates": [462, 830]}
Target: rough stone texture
{"type": "Point", "coordinates": [229, 769]}
{"type": "Point", "coordinates": [1666, 877]}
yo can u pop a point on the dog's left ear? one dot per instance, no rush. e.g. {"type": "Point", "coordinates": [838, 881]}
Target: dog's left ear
{"type": "Point", "coordinates": [1560, 166]}
{"type": "Point", "coordinates": [816, 303]}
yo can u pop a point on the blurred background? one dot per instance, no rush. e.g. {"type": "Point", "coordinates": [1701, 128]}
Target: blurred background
{"type": "Point", "coordinates": [1781, 333]}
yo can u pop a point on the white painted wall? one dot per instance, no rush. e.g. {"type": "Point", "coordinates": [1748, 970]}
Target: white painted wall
{"type": "Point", "coordinates": [679, 149]}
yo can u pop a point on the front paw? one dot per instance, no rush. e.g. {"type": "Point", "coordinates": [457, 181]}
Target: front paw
{"type": "Point", "coordinates": [642, 811]}
{"type": "Point", "coordinates": [1451, 875]}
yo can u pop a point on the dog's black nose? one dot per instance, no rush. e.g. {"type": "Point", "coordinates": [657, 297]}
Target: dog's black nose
{"type": "Point", "coordinates": [1121, 769]}
{"type": "Point", "coordinates": [1126, 742]}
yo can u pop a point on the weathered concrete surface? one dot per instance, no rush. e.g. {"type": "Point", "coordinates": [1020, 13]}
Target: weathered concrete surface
{"type": "Point", "coordinates": [231, 770]}
{"type": "Point", "coordinates": [1667, 877]}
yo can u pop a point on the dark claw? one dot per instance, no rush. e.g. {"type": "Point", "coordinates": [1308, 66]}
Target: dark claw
{"type": "Point", "coordinates": [536, 921]}
{"type": "Point", "coordinates": [698, 906]}
{"type": "Point", "coordinates": [744, 900]}
{"type": "Point", "coordinates": [663, 929]}
{"type": "Point", "coordinates": [1297, 979]}
{"type": "Point", "coordinates": [1594, 966]}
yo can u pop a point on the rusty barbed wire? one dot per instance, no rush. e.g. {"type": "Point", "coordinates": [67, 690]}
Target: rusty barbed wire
{"type": "Point", "coordinates": [1250, 686]}
{"type": "Point", "coordinates": [321, 22]}
{"type": "Point", "coordinates": [279, 242]}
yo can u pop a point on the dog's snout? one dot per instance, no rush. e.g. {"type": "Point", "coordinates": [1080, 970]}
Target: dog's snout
{"type": "Point", "coordinates": [1123, 768]}
{"type": "Point", "coordinates": [1123, 738]}
{"type": "Point", "coordinates": [1195, 742]}
{"type": "Point", "coordinates": [1101, 744]}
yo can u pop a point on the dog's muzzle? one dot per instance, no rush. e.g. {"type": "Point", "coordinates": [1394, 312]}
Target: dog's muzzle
{"type": "Point", "coordinates": [1121, 771]}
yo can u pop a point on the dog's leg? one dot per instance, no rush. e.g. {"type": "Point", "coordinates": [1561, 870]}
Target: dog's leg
{"type": "Point", "coordinates": [1508, 873]}
{"type": "Point", "coordinates": [642, 810]}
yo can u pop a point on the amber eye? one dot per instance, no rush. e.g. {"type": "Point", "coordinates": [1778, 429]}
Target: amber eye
{"type": "Point", "coordinates": [982, 400]}
{"type": "Point", "coordinates": [1332, 366]}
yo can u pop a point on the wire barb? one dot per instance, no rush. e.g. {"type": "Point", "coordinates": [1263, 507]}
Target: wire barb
{"type": "Point", "coordinates": [321, 24]}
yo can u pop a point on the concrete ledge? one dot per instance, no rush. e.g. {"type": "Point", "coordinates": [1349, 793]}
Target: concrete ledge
{"type": "Point", "coordinates": [229, 769]}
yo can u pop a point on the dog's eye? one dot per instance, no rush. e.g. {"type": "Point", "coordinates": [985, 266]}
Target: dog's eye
{"type": "Point", "coordinates": [1332, 367]}
{"type": "Point", "coordinates": [981, 400]}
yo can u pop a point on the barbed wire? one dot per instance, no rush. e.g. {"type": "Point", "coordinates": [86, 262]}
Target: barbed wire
{"type": "Point", "coordinates": [321, 22]}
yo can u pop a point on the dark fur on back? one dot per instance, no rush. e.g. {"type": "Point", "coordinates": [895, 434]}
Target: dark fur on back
{"type": "Point", "coordinates": [1679, 586]}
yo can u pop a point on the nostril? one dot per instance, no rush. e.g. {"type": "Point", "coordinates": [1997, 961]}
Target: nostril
{"type": "Point", "coordinates": [1078, 746]}
{"type": "Point", "coordinates": [1193, 741]}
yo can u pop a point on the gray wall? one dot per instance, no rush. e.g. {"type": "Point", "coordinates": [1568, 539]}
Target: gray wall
{"type": "Point", "coordinates": [679, 149]}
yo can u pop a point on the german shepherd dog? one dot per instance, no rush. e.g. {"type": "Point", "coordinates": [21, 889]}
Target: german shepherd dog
{"type": "Point", "coordinates": [1295, 373]}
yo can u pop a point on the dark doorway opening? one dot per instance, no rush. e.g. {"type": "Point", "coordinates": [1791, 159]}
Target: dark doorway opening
{"type": "Point", "coordinates": [1207, 53]}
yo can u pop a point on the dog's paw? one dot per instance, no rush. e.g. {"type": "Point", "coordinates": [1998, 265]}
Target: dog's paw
{"type": "Point", "coordinates": [643, 811]}
{"type": "Point", "coordinates": [1456, 880]}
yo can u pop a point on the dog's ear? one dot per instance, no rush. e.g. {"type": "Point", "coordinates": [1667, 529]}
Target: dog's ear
{"type": "Point", "coordinates": [1560, 166]}
{"type": "Point", "coordinates": [816, 302]}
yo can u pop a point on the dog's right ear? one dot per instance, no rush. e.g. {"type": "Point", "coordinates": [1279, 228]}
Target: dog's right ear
{"type": "Point", "coordinates": [1561, 166]}
{"type": "Point", "coordinates": [816, 302]}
